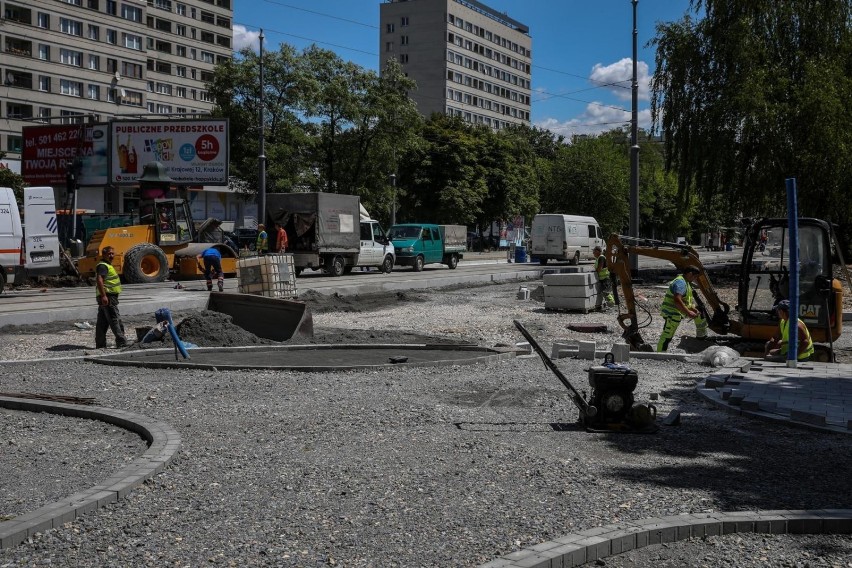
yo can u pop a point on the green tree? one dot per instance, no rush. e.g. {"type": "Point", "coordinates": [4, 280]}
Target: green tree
{"type": "Point", "coordinates": [755, 92]}
{"type": "Point", "coordinates": [8, 178]}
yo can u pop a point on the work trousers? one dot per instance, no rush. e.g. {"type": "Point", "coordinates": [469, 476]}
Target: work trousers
{"type": "Point", "coordinates": [109, 318]}
{"type": "Point", "coordinates": [604, 288]}
{"type": "Point", "coordinates": [672, 321]}
{"type": "Point", "coordinates": [211, 265]}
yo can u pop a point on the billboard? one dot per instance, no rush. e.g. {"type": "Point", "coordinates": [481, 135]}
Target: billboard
{"type": "Point", "coordinates": [194, 152]}
{"type": "Point", "coordinates": [49, 150]}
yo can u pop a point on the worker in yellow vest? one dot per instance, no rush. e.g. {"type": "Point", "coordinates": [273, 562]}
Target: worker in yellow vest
{"type": "Point", "coordinates": [107, 288]}
{"type": "Point", "coordinates": [262, 244]}
{"type": "Point", "coordinates": [679, 303]}
{"type": "Point", "coordinates": [604, 284]}
{"type": "Point", "coordinates": [778, 348]}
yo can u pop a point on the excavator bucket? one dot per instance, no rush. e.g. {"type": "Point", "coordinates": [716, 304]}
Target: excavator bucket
{"type": "Point", "coordinates": [271, 318]}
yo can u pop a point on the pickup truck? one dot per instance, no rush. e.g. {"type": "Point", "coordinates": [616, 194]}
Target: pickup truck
{"type": "Point", "coordinates": [326, 231]}
{"type": "Point", "coordinates": [418, 244]}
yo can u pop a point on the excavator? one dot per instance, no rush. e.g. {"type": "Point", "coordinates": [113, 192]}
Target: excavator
{"type": "Point", "coordinates": [164, 240]}
{"type": "Point", "coordinates": [763, 281]}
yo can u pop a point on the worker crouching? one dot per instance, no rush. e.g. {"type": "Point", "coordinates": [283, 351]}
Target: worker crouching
{"type": "Point", "coordinates": [678, 304]}
{"type": "Point", "coordinates": [776, 349]}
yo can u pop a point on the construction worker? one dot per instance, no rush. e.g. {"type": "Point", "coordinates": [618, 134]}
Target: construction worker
{"type": "Point", "coordinates": [679, 303]}
{"type": "Point", "coordinates": [604, 284]}
{"type": "Point", "coordinates": [280, 238]}
{"type": "Point", "coordinates": [108, 287]}
{"type": "Point", "coordinates": [778, 348]}
{"type": "Point", "coordinates": [262, 240]}
{"type": "Point", "coordinates": [212, 260]}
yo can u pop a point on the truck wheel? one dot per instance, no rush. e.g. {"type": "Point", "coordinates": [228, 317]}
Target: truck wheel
{"type": "Point", "coordinates": [418, 263]}
{"type": "Point", "coordinates": [337, 266]}
{"type": "Point", "coordinates": [144, 264]}
{"type": "Point", "coordinates": [453, 261]}
{"type": "Point", "coordinates": [542, 261]}
{"type": "Point", "coordinates": [387, 264]}
{"type": "Point", "coordinates": [575, 260]}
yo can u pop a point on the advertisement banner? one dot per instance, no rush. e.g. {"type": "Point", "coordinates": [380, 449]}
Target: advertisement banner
{"type": "Point", "coordinates": [194, 152]}
{"type": "Point", "coordinates": [49, 151]}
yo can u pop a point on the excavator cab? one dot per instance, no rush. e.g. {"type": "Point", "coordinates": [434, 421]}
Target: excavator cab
{"type": "Point", "coordinates": [172, 221]}
{"type": "Point", "coordinates": [764, 279]}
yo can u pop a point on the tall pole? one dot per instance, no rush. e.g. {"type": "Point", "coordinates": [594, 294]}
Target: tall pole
{"type": "Point", "coordinates": [634, 149]}
{"type": "Point", "coordinates": [393, 209]}
{"type": "Point", "coordinates": [261, 157]}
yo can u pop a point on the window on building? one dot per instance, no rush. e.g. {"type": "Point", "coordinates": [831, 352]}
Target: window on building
{"type": "Point", "coordinates": [208, 17]}
{"type": "Point", "coordinates": [180, 71]}
{"type": "Point", "coordinates": [164, 109]}
{"type": "Point", "coordinates": [132, 98]}
{"type": "Point", "coordinates": [163, 5]}
{"type": "Point", "coordinates": [14, 144]}
{"type": "Point", "coordinates": [163, 67]}
{"type": "Point", "coordinates": [71, 88]}
{"type": "Point", "coordinates": [94, 32]}
{"type": "Point", "coordinates": [223, 22]}
{"type": "Point", "coordinates": [180, 50]}
{"type": "Point", "coordinates": [44, 83]}
{"type": "Point", "coordinates": [180, 30]}
{"type": "Point", "coordinates": [192, 53]}
{"type": "Point", "coordinates": [75, 2]}
{"type": "Point", "coordinates": [164, 88]}
{"type": "Point", "coordinates": [111, 7]}
{"type": "Point", "coordinates": [390, 28]}
{"type": "Point", "coordinates": [112, 65]}
{"type": "Point", "coordinates": [180, 110]}
{"type": "Point", "coordinates": [132, 13]}
{"type": "Point", "coordinates": [112, 37]}
{"type": "Point", "coordinates": [70, 27]}
{"type": "Point", "coordinates": [70, 117]}
{"type": "Point", "coordinates": [403, 40]}
{"type": "Point", "coordinates": [223, 41]}
{"type": "Point", "coordinates": [150, 86]}
{"type": "Point", "coordinates": [93, 4]}
{"type": "Point", "coordinates": [163, 25]}
{"type": "Point", "coordinates": [43, 20]}
{"type": "Point", "coordinates": [403, 58]}
{"type": "Point", "coordinates": [94, 62]}
{"type": "Point", "coordinates": [94, 92]}
{"type": "Point", "coordinates": [192, 74]}
{"type": "Point", "coordinates": [180, 9]}
{"type": "Point", "coordinates": [131, 70]}
{"type": "Point", "coordinates": [132, 41]}
{"type": "Point", "coordinates": [180, 92]}
{"type": "Point", "coordinates": [389, 46]}
{"type": "Point", "coordinates": [71, 57]}
{"type": "Point", "coordinates": [403, 21]}
{"type": "Point", "coordinates": [44, 114]}
{"type": "Point", "coordinates": [208, 37]}
{"type": "Point", "coordinates": [207, 57]}
{"type": "Point", "coordinates": [44, 52]}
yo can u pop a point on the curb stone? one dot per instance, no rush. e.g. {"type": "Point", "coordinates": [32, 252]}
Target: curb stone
{"type": "Point", "coordinates": [163, 444]}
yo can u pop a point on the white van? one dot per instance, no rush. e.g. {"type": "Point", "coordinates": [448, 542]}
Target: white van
{"type": "Point", "coordinates": [564, 237]}
{"type": "Point", "coordinates": [11, 240]}
{"type": "Point", "coordinates": [41, 240]}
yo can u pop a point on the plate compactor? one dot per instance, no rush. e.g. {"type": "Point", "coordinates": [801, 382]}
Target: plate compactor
{"type": "Point", "coordinates": [611, 408]}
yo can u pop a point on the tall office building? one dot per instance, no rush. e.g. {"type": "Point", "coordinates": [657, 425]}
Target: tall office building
{"type": "Point", "coordinates": [468, 60]}
{"type": "Point", "coordinates": [68, 61]}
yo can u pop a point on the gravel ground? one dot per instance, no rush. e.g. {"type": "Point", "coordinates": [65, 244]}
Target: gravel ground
{"type": "Point", "coordinates": [444, 466]}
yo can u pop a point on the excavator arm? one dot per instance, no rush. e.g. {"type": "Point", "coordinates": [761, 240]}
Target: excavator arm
{"type": "Point", "coordinates": [618, 252]}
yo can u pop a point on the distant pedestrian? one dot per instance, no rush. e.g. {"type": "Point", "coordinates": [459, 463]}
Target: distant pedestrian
{"type": "Point", "coordinates": [108, 285]}
{"type": "Point", "coordinates": [212, 260]}
{"type": "Point", "coordinates": [280, 239]}
{"type": "Point", "coordinates": [262, 243]}
{"type": "Point", "coordinates": [778, 348]}
{"type": "Point", "coordinates": [679, 303]}
{"type": "Point", "coordinates": [604, 284]}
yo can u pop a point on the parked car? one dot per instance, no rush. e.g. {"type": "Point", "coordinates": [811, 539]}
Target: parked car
{"type": "Point", "coordinates": [244, 237]}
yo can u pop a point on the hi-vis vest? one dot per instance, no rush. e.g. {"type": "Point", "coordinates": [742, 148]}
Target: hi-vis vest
{"type": "Point", "coordinates": [668, 307]}
{"type": "Point", "coordinates": [261, 237]}
{"type": "Point", "coordinates": [600, 267]}
{"type": "Point", "coordinates": [112, 282]}
{"type": "Point", "coordinates": [785, 337]}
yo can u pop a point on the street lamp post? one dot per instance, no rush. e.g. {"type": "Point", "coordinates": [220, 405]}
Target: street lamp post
{"type": "Point", "coordinates": [634, 150]}
{"type": "Point", "coordinates": [393, 207]}
{"type": "Point", "coordinates": [261, 157]}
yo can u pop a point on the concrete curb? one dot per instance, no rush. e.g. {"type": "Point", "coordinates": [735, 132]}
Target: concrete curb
{"type": "Point", "coordinates": [576, 549]}
{"type": "Point", "coordinates": [163, 444]}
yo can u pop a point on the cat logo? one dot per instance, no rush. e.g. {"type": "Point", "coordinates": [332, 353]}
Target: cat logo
{"type": "Point", "coordinates": [809, 311]}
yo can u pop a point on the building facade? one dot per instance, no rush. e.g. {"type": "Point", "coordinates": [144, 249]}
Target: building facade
{"type": "Point", "coordinates": [75, 61]}
{"type": "Point", "coordinates": [468, 60]}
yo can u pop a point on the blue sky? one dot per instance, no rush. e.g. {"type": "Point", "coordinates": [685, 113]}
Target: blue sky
{"type": "Point", "coordinates": [577, 46]}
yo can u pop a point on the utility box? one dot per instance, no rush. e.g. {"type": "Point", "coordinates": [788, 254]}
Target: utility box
{"type": "Point", "coordinates": [570, 291]}
{"type": "Point", "coordinates": [272, 275]}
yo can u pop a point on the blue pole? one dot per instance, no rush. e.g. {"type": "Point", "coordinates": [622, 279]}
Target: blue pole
{"type": "Point", "coordinates": [793, 293]}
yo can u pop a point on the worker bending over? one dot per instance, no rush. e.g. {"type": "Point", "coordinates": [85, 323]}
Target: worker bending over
{"type": "Point", "coordinates": [212, 260]}
{"type": "Point", "coordinates": [778, 348]}
{"type": "Point", "coordinates": [679, 303]}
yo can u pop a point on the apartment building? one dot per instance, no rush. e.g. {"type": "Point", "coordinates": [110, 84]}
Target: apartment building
{"type": "Point", "coordinates": [468, 60]}
{"type": "Point", "coordinates": [70, 61]}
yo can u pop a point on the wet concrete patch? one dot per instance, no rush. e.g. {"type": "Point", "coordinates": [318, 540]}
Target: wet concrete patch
{"type": "Point", "coordinates": [308, 358]}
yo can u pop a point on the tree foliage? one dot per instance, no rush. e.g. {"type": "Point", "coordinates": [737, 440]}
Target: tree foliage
{"type": "Point", "coordinates": [755, 92]}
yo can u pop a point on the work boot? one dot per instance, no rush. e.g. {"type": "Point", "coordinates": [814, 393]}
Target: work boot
{"type": "Point", "coordinates": [210, 287]}
{"type": "Point", "coordinates": [221, 286]}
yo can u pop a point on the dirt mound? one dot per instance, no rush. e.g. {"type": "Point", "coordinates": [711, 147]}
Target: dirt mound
{"type": "Point", "coordinates": [214, 329]}
{"type": "Point", "coordinates": [323, 303]}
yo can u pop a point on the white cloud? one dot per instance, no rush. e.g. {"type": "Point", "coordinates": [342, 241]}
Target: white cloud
{"type": "Point", "coordinates": [597, 118]}
{"type": "Point", "coordinates": [245, 38]}
{"type": "Point", "coordinates": [621, 73]}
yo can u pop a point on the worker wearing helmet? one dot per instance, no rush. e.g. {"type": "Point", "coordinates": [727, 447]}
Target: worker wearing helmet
{"type": "Point", "coordinates": [778, 348]}
{"type": "Point", "coordinates": [679, 303]}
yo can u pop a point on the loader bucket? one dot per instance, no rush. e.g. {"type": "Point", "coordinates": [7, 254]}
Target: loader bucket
{"type": "Point", "coordinates": [271, 318]}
